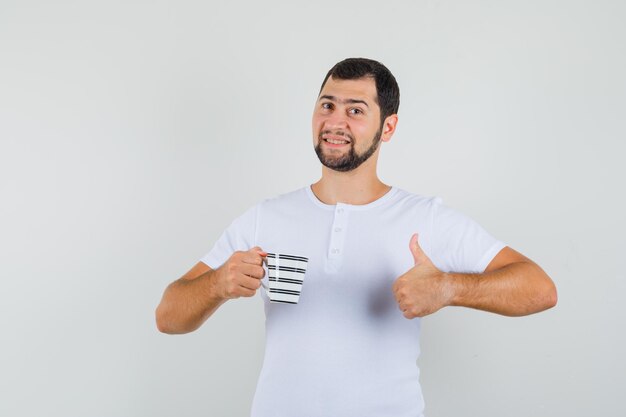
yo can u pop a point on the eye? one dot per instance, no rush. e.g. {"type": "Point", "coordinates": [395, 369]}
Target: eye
{"type": "Point", "coordinates": [327, 106]}
{"type": "Point", "coordinates": [355, 110]}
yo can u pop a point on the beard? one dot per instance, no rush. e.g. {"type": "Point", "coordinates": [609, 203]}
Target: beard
{"type": "Point", "coordinates": [350, 160]}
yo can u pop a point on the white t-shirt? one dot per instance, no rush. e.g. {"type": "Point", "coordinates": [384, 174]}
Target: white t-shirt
{"type": "Point", "coordinates": [346, 349]}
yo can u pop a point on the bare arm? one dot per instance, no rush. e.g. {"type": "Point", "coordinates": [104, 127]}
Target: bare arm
{"type": "Point", "coordinates": [189, 301]}
{"type": "Point", "coordinates": [511, 285]}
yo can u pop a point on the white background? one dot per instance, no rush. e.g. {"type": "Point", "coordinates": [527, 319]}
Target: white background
{"type": "Point", "coordinates": [132, 133]}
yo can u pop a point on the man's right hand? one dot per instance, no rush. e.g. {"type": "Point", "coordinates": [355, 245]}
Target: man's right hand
{"type": "Point", "coordinates": [241, 274]}
{"type": "Point", "coordinates": [192, 299]}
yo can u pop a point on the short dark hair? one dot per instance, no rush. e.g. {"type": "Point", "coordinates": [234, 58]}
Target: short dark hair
{"type": "Point", "coordinates": [386, 86]}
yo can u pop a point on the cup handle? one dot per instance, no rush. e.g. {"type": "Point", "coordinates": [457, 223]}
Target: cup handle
{"type": "Point", "coordinates": [263, 284]}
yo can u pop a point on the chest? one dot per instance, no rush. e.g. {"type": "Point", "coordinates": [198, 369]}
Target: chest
{"type": "Point", "coordinates": [353, 257]}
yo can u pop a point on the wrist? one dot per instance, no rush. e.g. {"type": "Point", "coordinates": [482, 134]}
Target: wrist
{"type": "Point", "coordinates": [451, 288]}
{"type": "Point", "coordinates": [214, 290]}
{"type": "Point", "coordinates": [464, 288]}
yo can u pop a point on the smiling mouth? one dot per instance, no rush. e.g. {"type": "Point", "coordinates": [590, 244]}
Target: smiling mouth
{"type": "Point", "coordinates": [336, 138]}
{"type": "Point", "coordinates": [336, 141]}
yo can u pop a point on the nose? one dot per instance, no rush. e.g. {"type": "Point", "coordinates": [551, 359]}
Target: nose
{"type": "Point", "coordinates": [335, 121]}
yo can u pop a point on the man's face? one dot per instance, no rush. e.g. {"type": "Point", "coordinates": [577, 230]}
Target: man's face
{"type": "Point", "coordinates": [346, 123]}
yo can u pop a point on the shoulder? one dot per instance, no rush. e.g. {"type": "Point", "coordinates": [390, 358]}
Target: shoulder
{"type": "Point", "coordinates": [405, 198]}
{"type": "Point", "coordinates": [431, 207]}
{"type": "Point", "coordinates": [288, 198]}
{"type": "Point", "coordinates": [282, 204]}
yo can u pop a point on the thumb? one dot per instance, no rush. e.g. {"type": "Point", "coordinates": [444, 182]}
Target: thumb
{"type": "Point", "coordinates": [258, 250]}
{"type": "Point", "coordinates": [416, 250]}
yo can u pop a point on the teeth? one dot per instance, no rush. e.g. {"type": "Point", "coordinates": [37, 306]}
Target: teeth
{"type": "Point", "coordinates": [336, 142]}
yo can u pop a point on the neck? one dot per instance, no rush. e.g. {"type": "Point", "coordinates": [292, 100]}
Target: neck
{"type": "Point", "coordinates": [358, 187]}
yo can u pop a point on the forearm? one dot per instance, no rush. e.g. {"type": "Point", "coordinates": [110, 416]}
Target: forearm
{"type": "Point", "coordinates": [187, 303]}
{"type": "Point", "coordinates": [516, 289]}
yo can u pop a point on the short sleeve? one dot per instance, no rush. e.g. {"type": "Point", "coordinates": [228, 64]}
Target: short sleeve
{"type": "Point", "coordinates": [460, 244]}
{"type": "Point", "coordinates": [239, 236]}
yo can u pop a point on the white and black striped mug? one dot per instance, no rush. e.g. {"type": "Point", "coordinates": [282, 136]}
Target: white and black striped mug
{"type": "Point", "coordinates": [285, 275]}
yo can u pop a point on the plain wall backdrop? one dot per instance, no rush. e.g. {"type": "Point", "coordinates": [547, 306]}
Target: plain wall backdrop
{"type": "Point", "coordinates": [133, 132]}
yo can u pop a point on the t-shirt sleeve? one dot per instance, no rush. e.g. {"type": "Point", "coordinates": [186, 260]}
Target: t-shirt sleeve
{"type": "Point", "coordinates": [238, 236]}
{"type": "Point", "coordinates": [460, 244]}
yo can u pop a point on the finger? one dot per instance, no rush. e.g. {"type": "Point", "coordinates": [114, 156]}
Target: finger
{"type": "Point", "coordinates": [416, 250]}
{"type": "Point", "coordinates": [250, 283]}
{"type": "Point", "coordinates": [253, 257]}
{"type": "Point", "coordinates": [245, 292]}
{"type": "Point", "coordinates": [254, 271]}
{"type": "Point", "coordinates": [258, 250]}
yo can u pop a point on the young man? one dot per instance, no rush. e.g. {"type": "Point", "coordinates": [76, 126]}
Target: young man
{"type": "Point", "coordinates": [379, 258]}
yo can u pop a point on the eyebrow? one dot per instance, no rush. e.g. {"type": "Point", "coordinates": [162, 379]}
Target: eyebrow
{"type": "Point", "coordinates": [348, 100]}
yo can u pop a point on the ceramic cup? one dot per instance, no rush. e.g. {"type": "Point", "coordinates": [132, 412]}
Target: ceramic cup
{"type": "Point", "coordinates": [285, 277]}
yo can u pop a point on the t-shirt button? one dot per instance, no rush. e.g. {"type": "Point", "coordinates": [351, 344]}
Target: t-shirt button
{"type": "Point", "coordinates": [339, 210]}
{"type": "Point", "coordinates": [335, 251]}
{"type": "Point", "coordinates": [337, 229]}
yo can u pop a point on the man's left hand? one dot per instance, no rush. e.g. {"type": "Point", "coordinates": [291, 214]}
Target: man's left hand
{"type": "Point", "coordinates": [423, 289]}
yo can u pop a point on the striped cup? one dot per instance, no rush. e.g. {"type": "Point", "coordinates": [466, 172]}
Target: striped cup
{"type": "Point", "coordinates": [286, 275]}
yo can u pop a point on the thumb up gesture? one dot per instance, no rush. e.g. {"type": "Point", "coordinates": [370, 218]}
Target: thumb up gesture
{"type": "Point", "coordinates": [423, 289]}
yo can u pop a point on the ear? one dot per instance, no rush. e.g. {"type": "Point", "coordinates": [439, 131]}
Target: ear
{"type": "Point", "coordinates": [389, 127]}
